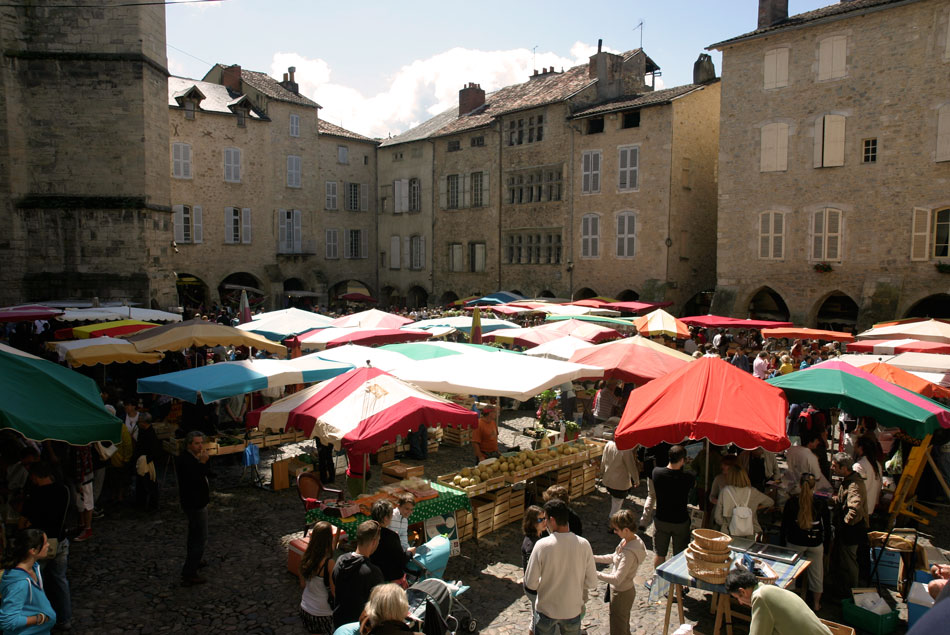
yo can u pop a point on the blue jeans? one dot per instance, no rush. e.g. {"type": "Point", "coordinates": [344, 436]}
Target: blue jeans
{"type": "Point", "coordinates": [548, 626]}
{"type": "Point", "coordinates": [197, 539]}
{"type": "Point", "coordinates": [56, 585]}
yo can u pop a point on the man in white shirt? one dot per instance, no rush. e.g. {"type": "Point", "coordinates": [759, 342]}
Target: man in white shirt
{"type": "Point", "coordinates": [560, 571]}
{"type": "Point", "coordinates": [760, 367]}
{"type": "Point", "coordinates": [132, 420]}
{"type": "Point", "coordinates": [801, 460]}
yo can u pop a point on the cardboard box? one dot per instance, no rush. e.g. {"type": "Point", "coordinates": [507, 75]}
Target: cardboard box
{"type": "Point", "coordinates": [394, 471]}
{"type": "Point", "coordinates": [888, 570]}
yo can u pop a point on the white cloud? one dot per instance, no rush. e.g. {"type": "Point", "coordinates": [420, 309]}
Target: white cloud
{"type": "Point", "coordinates": [421, 89]}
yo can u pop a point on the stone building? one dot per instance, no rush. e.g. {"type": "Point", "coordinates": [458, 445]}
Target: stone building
{"type": "Point", "coordinates": [834, 161]}
{"type": "Point", "coordinates": [84, 188]}
{"type": "Point", "coordinates": [513, 201]}
{"type": "Point", "coordinates": [266, 197]}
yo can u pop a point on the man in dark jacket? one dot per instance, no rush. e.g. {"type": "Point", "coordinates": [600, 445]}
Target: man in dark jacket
{"type": "Point", "coordinates": [355, 574]}
{"type": "Point", "coordinates": [194, 494]}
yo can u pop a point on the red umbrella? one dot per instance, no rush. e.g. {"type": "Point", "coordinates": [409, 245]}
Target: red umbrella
{"type": "Point", "coordinates": [372, 318]}
{"type": "Point", "coordinates": [593, 333]}
{"type": "Point", "coordinates": [808, 334]}
{"type": "Point", "coordinates": [896, 347]}
{"type": "Point", "coordinates": [636, 307]}
{"type": "Point", "coordinates": [357, 297]}
{"type": "Point", "coordinates": [718, 321]}
{"type": "Point", "coordinates": [708, 399]}
{"type": "Point", "coordinates": [634, 359]}
{"type": "Point", "coordinates": [28, 312]}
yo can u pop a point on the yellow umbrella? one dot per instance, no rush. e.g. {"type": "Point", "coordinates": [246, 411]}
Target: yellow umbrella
{"type": "Point", "coordinates": [115, 328]}
{"type": "Point", "coordinates": [175, 337]}
{"type": "Point", "coordinates": [659, 322]}
{"type": "Point", "coordinates": [101, 350]}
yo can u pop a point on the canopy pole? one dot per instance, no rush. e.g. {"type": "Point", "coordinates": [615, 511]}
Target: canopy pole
{"type": "Point", "coordinates": [706, 482]}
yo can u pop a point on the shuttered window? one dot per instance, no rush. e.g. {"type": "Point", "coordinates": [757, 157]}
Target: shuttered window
{"type": "Point", "coordinates": [289, 231]}
{"type": "Point", "coordinates": [293, 171]}
{"type": "Point", "coordinates": [771, 235]}
{"type": "Point", "coordinates": [776, 68]}
{"type": "Point", "coordinates": [456, 257]}
{"type": "Point", "coordinates": [417, 252]}
{"type": "Point", "coordinates": [942, 233]}
{"type": "Point", "coordinates": [590, 236]}
{"type": "Point", "coordinates": [829, 141]}
{"type": "Point", "coordinates": [232, 165]}
{"type": "Point", "coordinates": [294, 125]}
{"type": "Point", "coordinates": [920, 234]}
{"type": "Point", "coordinates": [943, 133]}
{"type": "Point", "coordinates": [395, 247]}
{"type": "Point", "coordinates": [332, 244]}
{"type": "Point", "coordinates": [626, 235]}
{"type": "Point", "coordinates": [774, 150]}
{"type": "Point", "coordinates": [826, 235]}
{"type": "Point", "coordinates": [832, 57]}
{"type": "Point", "coordinates": [181, 160]}
{"type": "Point", "coordinates": [590, 171]}
{"type": "Point", "coordinates": [331, 203]}
{"type": "Point", "coordinates": [629, 168]}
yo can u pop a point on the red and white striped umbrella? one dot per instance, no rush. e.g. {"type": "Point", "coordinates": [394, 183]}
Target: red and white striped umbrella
{"type": "Point", "coordinates": [361, 410]}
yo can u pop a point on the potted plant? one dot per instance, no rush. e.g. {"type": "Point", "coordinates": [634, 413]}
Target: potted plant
{"type": "Point", "coordinates": [571, 430]}
{"type": "Point", "coordinates": [548, 412]}
{"type": "Point", "coordinates": [822, 267]}
{"type": "Point", "coordinates": [942, 267]}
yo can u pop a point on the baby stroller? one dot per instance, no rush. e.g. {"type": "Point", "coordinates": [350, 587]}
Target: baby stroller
{"type": "Point", "coordinates": [432, 600]}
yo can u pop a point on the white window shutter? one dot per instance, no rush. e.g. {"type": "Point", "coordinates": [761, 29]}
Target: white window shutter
{"type": "Point", "coordinates": [397, 197]}
{"type": "Point", "coordinates": [781, 68]}
{"type": "Point", "coordinates": [943, 133]}
{"type": "Point", "coordinates": [443, 193]}
{"type": "Point", "coordinates": [595, 173]}
{"type": "Point", "coordinates": [920, 234]}
{"type": "Point", "coordinates": [364, 243]}
{"type": "Point", "coordinates": [595, 236]}
{"type": "Point", "coordinates": [585, 169]}
{"type": "Point", "coordinates": [839, 59]}
{"type": "Point", "coordinates": [186, 160]}
{"type": "Point", "coordinates": [404, 194]}
{"type": "Point", "coordinates": [364, 197]}
{"type": "Point", "coordinates": [781, 147]}
{"type": "Point", "coordinates": [819, 142]}
{"type": "Point", "coordinates": [621, 237]}
{"type": "Point", "coordinates": [833, 235]}
{"type": "Point", "coordinates": [833, 154]}
{"type": "Point", "coordinates": [228, 225]}
{"type": "Point", "coordinates": [177, 163]}
{"type": "Point", "coordinates": [298, 243]}
{"type": "Point", "coordinates": [246, 225]}
{"type": "Point", "coordinates": [395, 248]}
{"type": "Point", "coordinates": [422, 252]}
{"type": "Point", "coordinates": [767, 160]}
{"type": "Point", "coordinates": [282, 229]}
{"type": "Point", "coordinates": [825, 58]}
{"type": "Point", "coordinates": [764, 231]}
{"type": "Point", "coordinates": [778, 235]}
{"type": "Point", "coordinates": [623, 161]}
{"type": "Point", "coordinates": [179, 217]}
{"type": "Point", "coordinates": [197, 225]}
{"type": "Point", "coordinates": [770, 68]}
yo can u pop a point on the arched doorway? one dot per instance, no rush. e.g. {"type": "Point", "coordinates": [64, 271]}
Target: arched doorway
{"type": "Point", "coordinates": [231, 287]}
{"type": "Point", "coordinates": [344, 287]}
{"type": "Point", "coordinates": [448, 298]}
{"type": "Point", "coordinates": [517, 292]}
{"type": "Point", "coordinates": [388, 296]}
{"type": "Point", "coordinates": [547, 294]}
{"type": "Point", "coordinates": [585, 293]}
{"type": "Point", "coordinates": [700, 303]}
{"type": "Point", "coordinates": [766, 304]}
{"type": "Point", "coordinates": [193, 294]}
{"type": "Point", "coordinates": [296, 295]}
{"type": "Point", "coordinates": [417, 297]}
{"type": "Point", "coordinates": [933, 306]}
{"type": "Point", "coordinates": [837, 313]}
{"type": "Point", "coordinates": [628, 295]}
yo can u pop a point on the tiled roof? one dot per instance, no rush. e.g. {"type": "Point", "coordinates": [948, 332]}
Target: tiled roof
{"type": "Point", "coordinates": [424, 130]}
{"type": "Point", "coordinates": [217, 98]}
{"type": "Point", "coordinates": [846, 6]}
{"type": "Point", "coordinates": [639, 101]}
{"type": "Point", "coordinates": [272, 88]}
{"type": "Point", "coordinates": [336, 131]}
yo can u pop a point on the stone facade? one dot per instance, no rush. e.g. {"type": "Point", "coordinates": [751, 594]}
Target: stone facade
{"type": "Point", "coordinates": [84, 193]}
{"type": "Point", "coordinates": [839, 130]}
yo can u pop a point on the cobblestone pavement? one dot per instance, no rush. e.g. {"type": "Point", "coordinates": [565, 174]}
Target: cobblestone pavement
{"type": "Point", "coordinates": [126, 578]}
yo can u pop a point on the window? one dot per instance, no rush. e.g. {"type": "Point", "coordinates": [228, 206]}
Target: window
{"type": "Point", "coordinates": [332, 244]}
{"type": "Point", "coordinates": [365, 159]}
{"type": "Point", "coordinates": [478, 142]}
{"type": "Point", "coordinates": [417, 252]}
{"type": "Point", "coordinates": [590, 168]}
{"type": "Point", "coordinates": [631, 119]}
{"type": "Point", "coordinates": [629, 168]}
{"type": "Point", "coordinates": [189, 109]}
{"type": "Point", "coordinates": [525, 130]}
{"type": "Point", "coordinates": [832, 57]}
{"type": "Point", "coordinates": [415, 195]}
{"type": "Point", "coordinates": [869, 151]}
{"type": "Point", "coordinates": [454, 145]}
{"type": "Point", "coordinates": [188, 225]}
{"type": "Point", "coordinates": [181, 160]}
{"type": "Point", "coordinates": [456, 257]}
{"type": "Point", "coordinates": [407, 196]}
{"type": "Point", "coordinates": [626, 235]}
{"type": "Point", "coordinates": [289, 234]}
{"type": "Point", "coordinates": [452, 183]}
{"type": "Point", "coordinates": [342, 155]}
{"type": "Point", "coordinates": [241, 116]}
{"type": "Point", "coordinates": [774, 151]}
{"type": "Point", "coordinates": [475, 186]}
{"type": "Point", "coordinates": [553, 185]}
{"type": "Point", "coordinates": [826, 235]}
{"type": "Point", "coordinates": [397, 156]}
{"type": "Point", "coordinates": [595, 125]}
{"type": "Point", "coordinates": [476, 257]}
{"type": "Point", "coordinates": [294, 125]}
{"type": "Point", "coordinates": [552, 249]}
{"type": "Point", "coordinates": [943, 133]}
{"type": "Point", "coordinates": [776, 68]}
{"type": "Point", "coordinates": [942, 233]}
{"type": "Point", "coordinates": [331, 195]}
{"type": "Point", "coordinates": [395, 247]}
{"type": "Point", "coordinates": [357, 197]}
{"type": "Point", "coordinates": [829, 141]}
{"type": "Point", "coordinates": [293, 171]}
{"type": "Point", "coordinates": [590, 236]}
{"type": "Point", "coordinates": [232, 165]}
{"type": "Point", "coordinates": [237, 225]}
{"type": "Point", "coordinates": [771, 235]}
{"type": "Point", "coordinates": [355, 246]}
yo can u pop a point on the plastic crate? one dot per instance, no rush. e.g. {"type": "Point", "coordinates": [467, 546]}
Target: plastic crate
{"type": "Point", "coordinates": [875, 624]}
{"type": "Point", "coordinates": [888, 569]}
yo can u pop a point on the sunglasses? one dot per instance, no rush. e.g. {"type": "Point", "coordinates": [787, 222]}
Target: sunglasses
{"type": "Point", "coordinates": [541, 520]}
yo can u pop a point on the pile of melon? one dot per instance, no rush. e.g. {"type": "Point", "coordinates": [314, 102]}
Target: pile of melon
{"type": "Point", "coordinates": [523, 460]}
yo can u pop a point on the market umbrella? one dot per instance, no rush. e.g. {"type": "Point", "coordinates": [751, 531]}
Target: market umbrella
{"type": "Point", "coordinates": [419, 351]}
{"type": "Point", "coordinates": [464, 323]}
{"type": "Point", "coordinates": [475, 333]}
{"type": "Point", "coordinates": [635, 306]}
{"type": "Point", "coordinates": [583, 330]}
{"type": "Point", "coordinates": [357, 297]}
{"type": "Point", "coordinates": [108, 313]}
{"type": "Point", "coordinates": [718, 321]}
{"type": "Point", "coordinates": [115, 328]}
{"type": "Point", "coordinates": [708, 399]}
{"type": "Point", "coordinates": [244, 308]}
{"type": "Point", "coordinates": [927, 330]}
{"type": "Point", "coordinates": [28, 312]}
{"type": "Point", "coordinates": [596, 302]}
{"type": "Point", "coordinates": [906, 380]}
{"type": "Point", "coordinates": [360, 356]}
{"type": "Point", "coordinates": [835, 384]}
{"type": "Point", "coordinates": [101, 350]}
{"type": "Point", "coordinates": [361, 410]}
{"type": "Point", "coordinates": [633, 359]}
{"type": "Point", "coordinates": [330, 337]}
{"type": "Point", "coordinates": [527, 338]}
{"type": "Point", "coordinates": [43, 400]}
{"type": "Point", "coordinates": [896, 347]}
{"type": "Point", "coordinates": [562, 348]}
{"type": "Point", "coordinates": [596, 319]}
{"type": "Point", "coordinates": [808, 334]}
{"type": "Point", "coordinates": [279, 325]}
{"type": "Point", "coordinates": [503, 309]}
{"type": "Point", "coordinates": [226, 379]}
{"type": "Point", "coordinates": [175, 337]}
{"type": "Point", "coordinates": [659, 322]}
{"type": "Point", "coordinates": [573, 310]}
{"type": "Point", "coordinates": [372, 318]}
{"type": "Point", "coordinates": [499, 297]}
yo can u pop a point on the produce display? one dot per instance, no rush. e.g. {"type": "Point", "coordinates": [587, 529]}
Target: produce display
{"type": "Point", "coordinates": [515, 466]}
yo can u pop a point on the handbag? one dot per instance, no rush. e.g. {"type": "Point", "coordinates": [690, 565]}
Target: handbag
{"type": "Point", "coordinates": [53, 548]}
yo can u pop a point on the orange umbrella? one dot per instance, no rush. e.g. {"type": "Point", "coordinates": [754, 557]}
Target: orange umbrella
{"type": "Point", "coordinates": [808, 334]}
{"type": "Point", "coordinates": [634, 359]}
{"type": "Point", "coordinates": [659, 322]}
{"type": "Point", "coordinates": [906, 380]}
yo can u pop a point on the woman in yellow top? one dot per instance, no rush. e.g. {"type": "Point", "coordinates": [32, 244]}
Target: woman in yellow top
{"type": "Point", "coordinates": [786, 366]}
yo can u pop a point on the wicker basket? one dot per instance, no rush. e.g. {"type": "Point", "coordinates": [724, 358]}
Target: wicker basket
{"type": "Point", "coordinates": [693, 562]}
{"type": "Point", "coordinates": [711, 540]}
{"type": "Point", "coordinates": [707, 556]}
{"type": "Point", "coordinates": [712, 576]}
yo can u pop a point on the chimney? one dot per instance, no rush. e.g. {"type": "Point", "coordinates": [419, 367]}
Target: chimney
{"type": "Point", "coordinates": [607, 69]}
{"type": "Point", "coordinates": [704, 70]}
{"type": "Point", "coordinates": [771, 12]}
{"type": "Point", "coordinates": [471, 97]}
{"type": "Point", "coordinates": [231, 78]}
{"type": "Point", "coordinates": [289, 82]}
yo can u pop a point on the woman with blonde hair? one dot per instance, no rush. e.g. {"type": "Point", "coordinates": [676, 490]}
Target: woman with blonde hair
{"type": "Point", "coordinates": [806, 527]}
{"type": "Point", "coordinates": [386, 611]}
{"type": "Point", "coordinates": [738, 494]}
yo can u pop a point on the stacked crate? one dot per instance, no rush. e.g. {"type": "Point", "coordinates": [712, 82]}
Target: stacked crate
{"type": "Point", "coordinates": [516, 506]}
{"type": "Point", "coordinates": [435, 438]}
{"type": "Point", "coordinates": [457, 437]}
{"type": "Point", "coordinates": [590, 475]}
{"type": "Point", "coordinates": [483, 516]}
{"type": "Point", "coordinates": [464, 524]}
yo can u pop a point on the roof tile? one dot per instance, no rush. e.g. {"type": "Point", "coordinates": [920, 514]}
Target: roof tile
{"type": "Point", "coordinates": [328, 128]}
{"type": "Point", "coordinates": [272, 88]}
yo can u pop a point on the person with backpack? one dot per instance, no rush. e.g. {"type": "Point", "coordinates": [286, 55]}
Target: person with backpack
{"type": "Point", "coordinates": [316, 567]}
{"type": "Point", "coordinates": [737, 506]}
{"type": "Point", "coordinates": [25, 607]}
{"type": "Point", "coordinates": [806, 527]}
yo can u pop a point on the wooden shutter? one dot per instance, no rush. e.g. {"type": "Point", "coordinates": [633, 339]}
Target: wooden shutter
{"type": "Point", "coordinates": [778, 235]}
{"type": "Point", "coordinates": [229, 225]}
{"type": "Point", "coordinates": [197, 228]}
{"type": "Point", "coordinates": [765, 227]}
{"type": "Point", "coordinates": [465, 187]}
{"type": "Point", "coordinates": [397, 197]}
{"type": "Point", "coordinates": [833, 152]}
{"type": "Point", "coordinates": [595, 236]}
{"type": "Point", "coordinates": [839, 60]}
{"type": "Point", "coordinates": [404, 195]}
{"type": "Point", "coordinates": [443, 193]}
{"type": "Point", "coordinates": [781, 68]}
{"type": "Point", "coordinates": [422, 252]}
{"type": "Point", "coordinates": [833, 234]}
{"type": "Point", "coordinates": [770, 68]}
{"type": "Point", "coordinates": [485, 188]}
{"type": "Point", "coordinates": [179, 217]}
{"type": "Point", "coordinates": [246, 225]}
{"type": "Point", "coordinates": [395, 248]}
{"type": "Point", "coordinates": [406, 254]}
{"type": "Point", "coordinates": [177, 165]}
{"type": "Point", "coordinates": [585, 169]}
{"type": "Point", "coordinates": [819, 142]}
{"type": "Point", "coordinates": [622, 171]}
{"type": "Point", "coordinates": [480, 257]}
{"type": "Point", "coordinates": [585, 236]}
{"type": "Point", "coordinates": [825, 59]}
{"type": "Point", "coordinates": [621, 235]}
{"type": "Point", "coordinates": [298, 238]}
{"type": "Point", "coordinates": [781, 147]}
{"type": "Point", "coordinates": [767, 158]}
{"type": "Point", "coordinates": [364, 197]}
{"type": "Point", "coordinates": [595, 172]}
{"type": "Point", "coordinates": [943, 133]}
{"type": "Point", "coordinates": [920, 234]}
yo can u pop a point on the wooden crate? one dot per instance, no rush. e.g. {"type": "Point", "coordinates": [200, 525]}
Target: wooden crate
{"type": "Point", "coordinates": [595, 448]}
{"type": "Point", "coordinates": [211, 448]}
{"type": "Point", "coordinates": [231, 449]}
{"type": "Point", "coordinates": [457, 437]}
{"type": "Point", "coordinates": [271, 440]}
{"type": "Point", "coordinates": [172, 446]}
{"type": "Point", "coordinates": [471, 490]}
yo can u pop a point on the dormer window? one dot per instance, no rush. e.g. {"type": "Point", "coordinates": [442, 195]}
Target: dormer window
{"type": "Point", "coordinates": [241, 117]}
{"type": "Point", "coordinates": [595, 125]}
{"type": "Point", "coordinates": [189, 109]}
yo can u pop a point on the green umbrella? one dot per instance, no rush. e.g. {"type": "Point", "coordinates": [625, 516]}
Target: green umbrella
{"type": "Point", "coordinates": [431, 350]}
{"type": "Point", "coordinates": [600, 319]}
{"type": "Point", "coordinates": [835, 384]}
{"type": "Point", "coordinates": [43, 400]}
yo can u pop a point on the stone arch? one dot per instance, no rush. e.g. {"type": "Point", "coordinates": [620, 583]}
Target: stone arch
{"type": "Point", "coordinates": [547, 294]}
{"type": "Point", "coordinates": [388, 296]}
{"type": "Point", "coordinates": [836, 312]}
{"type": "Point", "coordinates": [628, 295]}
{"type": "Point", "coordinates": [517, 292]}
{"type": "Point", "coordinates": [699, 304]}
{"type": "Point", "coordinates": [584, 293]}
{"type": "Point", "coordinates": [417, 297]}
{"type": "Point", "coordinates": [192, 294]}
{"type": "Point", "coordinates": [230, 290]}
{"type": "Point", "coordinates": [448, 298]}
{"type": "Point", "coordinates": [767, 304]}
{"type": "Point", "coordinates": [932, 306]}
{"type": "Point", "coordinates": [343, 287]}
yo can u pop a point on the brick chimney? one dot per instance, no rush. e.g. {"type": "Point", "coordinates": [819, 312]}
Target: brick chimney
{"type": "Point", "coordinates": [471, 97]}
{"type": "Point", "coordinates": [704, 70]}
{"type": "Point", "coordinates": [231, 78]}
{"type": "Point", "coordinates": [771, 12]}
{"type": "Point", "coordinates": [289, 82]}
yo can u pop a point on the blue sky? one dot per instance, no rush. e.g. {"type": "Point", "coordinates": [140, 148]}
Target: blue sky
{"type": "Point", "coordinates": [379, 68]}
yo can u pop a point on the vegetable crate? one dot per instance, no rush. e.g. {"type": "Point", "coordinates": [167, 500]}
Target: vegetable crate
{"type": "Point", "coordinates": [457, 437]}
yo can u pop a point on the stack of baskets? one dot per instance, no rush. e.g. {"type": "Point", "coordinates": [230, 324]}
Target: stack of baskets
{"type": "Point", "coordinates": [708, 557]}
